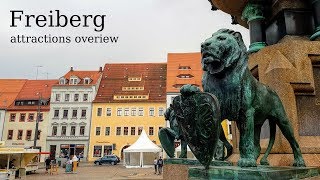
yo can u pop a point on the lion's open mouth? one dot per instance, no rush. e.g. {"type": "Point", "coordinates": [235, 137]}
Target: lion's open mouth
{"type": "Point", "coordinates": [214, 65]}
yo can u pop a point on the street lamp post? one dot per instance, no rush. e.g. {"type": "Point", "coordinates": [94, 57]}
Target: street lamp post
{"type": "Point", "coordinates": [37, 122]}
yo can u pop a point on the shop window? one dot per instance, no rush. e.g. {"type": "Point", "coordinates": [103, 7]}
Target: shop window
{"type": "Point", "coordinates": [107, 150]}
{"type": "Point", "coordinates": [118, 132]}
{"type": "Point", "coordinates": [133, 131]}
{"type": "Point", "coordinates": [125, 131]}
{"type": "Point", "coordinates": [10, 134]}
{"type": "Point", "coordinates": [97, 151]}
{"type": "Point", "coordinates": [107, 133]}
{"type": "Point", "coordinates": [79, 150]}
{"type": "Point", "coordinates": [98, 130]}
{"type": "Point", "coordinates": [12, 117]}
{"type": "Point", "coordinates": [64, 150]}
{"type": "Point", "coordinates": [20, 133]}
{"type": "Point", "coordinates": [99, 111]}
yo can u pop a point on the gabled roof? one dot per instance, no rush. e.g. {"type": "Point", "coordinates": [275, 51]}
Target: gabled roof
{"type": "Point", "coordinates": [176, 60]}
{"type": "Point", "coordinates": [115, 76]}
{"type": "Point", "coordinates": [9, 89]}
{"type": "Point", "coordinates": [93, 75]}
{"type": "Point", "coordinates": [143, 144]}
{"type": "Point", "coordinates": [31, 90]}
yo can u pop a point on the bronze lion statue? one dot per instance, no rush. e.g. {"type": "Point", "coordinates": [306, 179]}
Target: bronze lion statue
{"type": "Point", "coordinates": [242, 98]}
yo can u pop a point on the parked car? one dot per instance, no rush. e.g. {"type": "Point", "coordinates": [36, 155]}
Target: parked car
{"type": "Point", "coordinates": [118, 159]}
{"type": "Point", "coordinates": [109, 159]}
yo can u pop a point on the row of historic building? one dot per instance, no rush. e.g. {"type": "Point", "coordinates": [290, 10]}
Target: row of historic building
{"type": "Point", "coordinates": [94, 113]}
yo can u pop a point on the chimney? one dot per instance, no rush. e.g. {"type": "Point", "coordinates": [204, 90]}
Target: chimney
{"type": "Point", "coordinates": [71, 68]}
{"type": "Point", "coordinates": [100, 69]}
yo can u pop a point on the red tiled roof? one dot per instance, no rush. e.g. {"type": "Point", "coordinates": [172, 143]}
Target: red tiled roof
{"type": "Point", "coordinates": [115, 76]}
{"type": "Point", "coordinates": [175, 60]}
{"type": "Point", "coordinates": [9, 89]}
{"type": "Point", "coordinates": [30, 91]}
{"type": "Point", "coordinates": [93, 75]}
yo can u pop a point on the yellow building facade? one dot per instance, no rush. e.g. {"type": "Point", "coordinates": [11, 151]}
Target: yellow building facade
{"type": "Point", "coordinates": [130, 98]}
{"type": "Point", "coordinates": [120, 124]}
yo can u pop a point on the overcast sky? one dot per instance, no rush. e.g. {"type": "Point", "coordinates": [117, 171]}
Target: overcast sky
{"type": "Point", "coordinates": [147, 30]}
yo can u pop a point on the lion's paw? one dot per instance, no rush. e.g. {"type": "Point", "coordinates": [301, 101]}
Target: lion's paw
{"type": "Point", "coordinates": [246, 162]}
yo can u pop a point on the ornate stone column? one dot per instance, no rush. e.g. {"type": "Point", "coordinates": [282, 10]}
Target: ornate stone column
{"type": "Point", "coordinates": [316, 15]}
{"type": "Point", "coordinates": [253, 14]}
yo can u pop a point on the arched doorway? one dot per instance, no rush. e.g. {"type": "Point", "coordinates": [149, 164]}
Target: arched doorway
{"type": "Point", "coordinates": [125, 147]}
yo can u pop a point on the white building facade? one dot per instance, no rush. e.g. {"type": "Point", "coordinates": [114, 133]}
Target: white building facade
{"type": "Point", "coordinates": [70, 114]}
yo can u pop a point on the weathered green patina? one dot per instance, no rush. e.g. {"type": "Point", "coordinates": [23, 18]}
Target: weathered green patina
{"type": "Point", "coordinates": [252, 12]}
{"type": "Point", "coordinates": [168, 135]}
{"type": "Point", "coordinates": [242, 98]}
{"type": "Point", "coordinates": [198, 116]}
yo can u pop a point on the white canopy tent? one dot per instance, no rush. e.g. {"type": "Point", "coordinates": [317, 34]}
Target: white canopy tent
{"type": "Point", "coordinates": [141, 153]}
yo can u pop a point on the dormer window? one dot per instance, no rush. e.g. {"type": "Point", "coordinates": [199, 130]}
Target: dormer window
{"type": "Point", "coordinates": [86, 80]}
{"type": "Point", "coordinates": [184, 67]}
{"type": "Point", "coordinates": [62, 81]}
{"type": "Point", "coordinates": [185, 76]}
{"type": "Point", "coordinates": [73, 80]}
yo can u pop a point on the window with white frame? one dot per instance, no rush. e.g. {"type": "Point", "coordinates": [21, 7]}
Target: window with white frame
{"type": "Point", "coordinates": [58, 96]}
{"type": "Point", "coordinates": [86, 81]}
{"type": "Point", "coordinates": [63, 130]}
{"type": "Point", "coordinates": [125, 131]}
{"type": "Point", "coordinates": [107, 133]}
{"type": "Point", "coordinates": [108, 112]}
{"type": "Point", "coordinates": [151, 131]}
{"type": "Point", "coordinates": [56, 113]}
{"type": "Point", "coordinates": [76, 97]}
{"type": "Point", "coordinates": [151, 111]}
{"type": "Point", "coordinates": [161, 111]}
{"type": "Point", "coordinates": [119, 112]}
{"type": "Point", "coordinates": [118, 131]}
{"type": "Point", "coordinates": [74, 113]}
{"type": "Point", "coordinates": [133, 111]}
{"type": "Point", "coordinates": [99, 111]}
{"type": "Point", "coordinates": [73, 131]}
{"type": "Point", "coordinates": [98, 130]}
{"type": "Point", "coordinates": [126, 111]}
{"type": "Point", "coordinates": [140, 130]}
{"type": "Point", "coordinates": [73, 81]}
{"type": "Point", "coordinates": [140, 112]}
{"type": "Point", "coordinates": [66, 97]}
{"type": "Point", "coordinates": [133, 131]}
{"type": "Point", "coordinates": [82, 130]}
{"type": "Point", "coordinates": [83, 113]}
{"type": "Point", "coordinates": [54, 130]}
{"type": "Point", "coordinates": [85, 97]}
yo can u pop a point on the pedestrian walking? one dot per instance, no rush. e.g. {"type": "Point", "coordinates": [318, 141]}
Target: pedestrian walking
{"type": "Point", "coordinates": [155, 163]}
{"type": "Point", "coordinates": [160, 164]}
{"type": "Point", "coordinates": [48, 164]}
